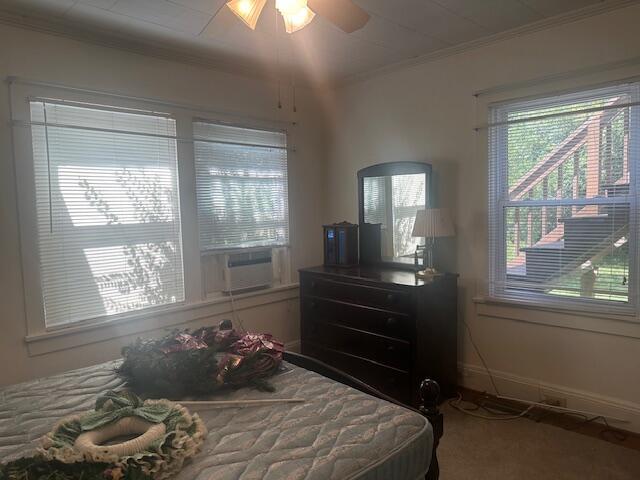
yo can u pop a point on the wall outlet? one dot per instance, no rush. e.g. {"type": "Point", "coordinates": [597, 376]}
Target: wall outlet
{"type": "Point", "coordinates": [555, 401]}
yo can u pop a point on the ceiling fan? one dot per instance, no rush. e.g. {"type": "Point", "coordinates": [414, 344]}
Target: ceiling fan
{"type": "Point", "coordinates": [297, 14]}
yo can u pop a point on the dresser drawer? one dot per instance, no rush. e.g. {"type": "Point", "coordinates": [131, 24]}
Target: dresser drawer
{"type": "Point", "coordinates": [389, 324]}
{"type": "Point", "coordinates": [385, 350]}
{"type": "Point", "coordinates": [393, 382]}
{"type": "Point", "coordinates": [393, 300]}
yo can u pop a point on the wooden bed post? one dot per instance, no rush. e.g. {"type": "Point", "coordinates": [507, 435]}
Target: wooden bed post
{"type": "Point", "coordinates": [430, 394]}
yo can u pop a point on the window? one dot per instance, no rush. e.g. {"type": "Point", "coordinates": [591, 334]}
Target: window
{"type": "Point", "coordinates": [108, 219]}
{"type": "Point", "coordinates": [107, 233]}
{"type": "Point", "coordinates": [395, 199]}
{"type": "Point", "coordinates": [241, 177]}
{"type": "Point", "coordinates": [563, 199]}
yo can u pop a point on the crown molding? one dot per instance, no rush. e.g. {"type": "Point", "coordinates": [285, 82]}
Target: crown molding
{"type": "Point", "coordinates": [545, 24]}
{"type": "Point", "coordinates": [132, 44]}
{"type": "Point", "coordinates": [136, 45]}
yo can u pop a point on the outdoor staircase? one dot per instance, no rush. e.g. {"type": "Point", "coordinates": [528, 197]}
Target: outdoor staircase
{"type": "Point", "coordinates": [585, 238]}
{"type": "Point", "coordinates": [567, 237]}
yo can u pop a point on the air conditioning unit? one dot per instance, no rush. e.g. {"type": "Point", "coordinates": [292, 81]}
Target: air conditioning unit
{"type": "Point", "coordinates": [247, 270]}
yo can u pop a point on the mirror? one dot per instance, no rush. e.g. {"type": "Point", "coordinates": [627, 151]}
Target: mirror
{"type": "Point", "coordinates": [390, 194]}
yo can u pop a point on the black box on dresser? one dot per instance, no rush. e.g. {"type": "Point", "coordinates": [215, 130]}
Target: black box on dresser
{"type": "Point", "coordinates": [382, 325]}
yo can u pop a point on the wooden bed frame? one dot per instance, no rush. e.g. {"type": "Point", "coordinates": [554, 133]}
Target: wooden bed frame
{"type": "Point", "coordinates": [429, 393]}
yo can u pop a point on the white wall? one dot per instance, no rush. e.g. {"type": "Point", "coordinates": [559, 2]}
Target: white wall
{"type": "Point", "coordinates": [49, 58]}
{"type": "Point", "coordinates": [427, 112]}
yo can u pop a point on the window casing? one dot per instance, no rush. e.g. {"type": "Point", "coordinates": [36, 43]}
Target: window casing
{"type": "Point", "coordinates": [563, 200]}
{"type": "Point", "coordinates": [242, 198]}
{"type": "Point", "coordinates": [144, 158]}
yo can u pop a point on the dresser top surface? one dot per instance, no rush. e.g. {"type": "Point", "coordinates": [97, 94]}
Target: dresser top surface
{"type": "Point", "coordinates": [385, 275]}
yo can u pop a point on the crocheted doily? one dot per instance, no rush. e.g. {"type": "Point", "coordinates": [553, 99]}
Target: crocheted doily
{"type": "Point", "coordinates": [165, 435]}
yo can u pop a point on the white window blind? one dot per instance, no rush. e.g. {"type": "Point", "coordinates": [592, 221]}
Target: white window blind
{"type": "Point", "coordinates": [375, 198]}
{"type": "Point", "coordinates": [107, 209]}
{"type": "Point", "coordinates": [242, 189]}
{"type": "Point", "coordinates": [563, 199]}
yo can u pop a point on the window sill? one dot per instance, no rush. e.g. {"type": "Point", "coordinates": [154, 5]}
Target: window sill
{"type": "Point", "coordinates": [607, 323]}
{"type": "Point", "coordinates": [41, 343]}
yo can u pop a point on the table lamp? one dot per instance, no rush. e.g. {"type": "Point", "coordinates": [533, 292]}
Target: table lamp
{"type": "Point", "coordinates": [432, 223]}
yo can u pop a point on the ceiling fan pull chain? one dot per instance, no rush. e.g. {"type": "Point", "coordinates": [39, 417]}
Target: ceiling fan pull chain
{"type": "Point", "coordinates": [278, 67]}
{"type": "Point", "coordinates": [295, 107]}
{"type": "Point", "coordinates": [293, 88]}
{"type": "Point", "coordinates": [293, 84]}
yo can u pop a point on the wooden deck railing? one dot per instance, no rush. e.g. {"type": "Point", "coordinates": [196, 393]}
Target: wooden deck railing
{"type": "Point", "coordinates": [588, 135]}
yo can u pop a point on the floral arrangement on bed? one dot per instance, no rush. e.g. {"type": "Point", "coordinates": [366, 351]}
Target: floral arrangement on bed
{"type": "Point", "coordinates": [182, 363]}
{"type": "Point", "coordinates": [185, 363]}
{"type": "Point", "coordinates": [90, 446]}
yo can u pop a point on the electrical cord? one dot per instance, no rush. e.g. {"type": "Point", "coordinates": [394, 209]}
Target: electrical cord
{"type": "Point", "coordinates": [495, 415]}
{"type": "Point", "coordinates": [608, 430]}
{"type": "Point", "coordinates": [484, 363]}
{"type": "Point", "coordinates": [471, 408]}
{"type": "Point", "coordinates": [235, 315]}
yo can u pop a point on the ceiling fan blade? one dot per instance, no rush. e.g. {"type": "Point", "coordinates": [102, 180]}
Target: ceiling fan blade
{"type": "Point", "coordinates": [343, 13]}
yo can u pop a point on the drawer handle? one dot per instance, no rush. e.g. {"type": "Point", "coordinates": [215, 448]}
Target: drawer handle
{"type": "Point", "coordinates": [391, 348]}
{"type": "Point", "coordinates": [392, 322]}
{"type": "Point", "coordinates": [313, 284]}
{"type": "Point", "coordinates": [391, 298]}
{"type": "Point", "coordinates": [313, 305]}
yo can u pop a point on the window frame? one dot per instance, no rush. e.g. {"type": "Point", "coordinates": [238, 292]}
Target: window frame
{"type": "Point", "coordinates": [498, 193]}
{"type": "Point", "coordinates": [195, 299]}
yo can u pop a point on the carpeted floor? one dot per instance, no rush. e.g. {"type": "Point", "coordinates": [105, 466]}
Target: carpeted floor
{"type": "Point", "coordinates": [477, 449]}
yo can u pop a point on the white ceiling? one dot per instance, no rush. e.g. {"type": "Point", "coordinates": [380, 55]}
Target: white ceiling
{"type": "Point", "coordinates": [398, 30]}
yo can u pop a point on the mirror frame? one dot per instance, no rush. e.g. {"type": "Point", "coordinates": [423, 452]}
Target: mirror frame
{"type": "Point", "coordinates": [390, 169]}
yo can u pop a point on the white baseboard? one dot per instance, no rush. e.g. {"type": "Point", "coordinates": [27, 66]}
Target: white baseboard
{"type": "Point", "coordinates": [293, 346]}
{"type": "Point", "coordinates": [475, 377]}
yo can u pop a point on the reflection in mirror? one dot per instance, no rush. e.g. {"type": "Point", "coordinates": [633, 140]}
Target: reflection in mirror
{"type": "Point", "coordinates": [392, 201]}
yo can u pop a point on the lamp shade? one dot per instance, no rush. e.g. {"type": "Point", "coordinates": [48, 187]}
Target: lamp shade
{"type": "Point", "coordinates": [433, 223]}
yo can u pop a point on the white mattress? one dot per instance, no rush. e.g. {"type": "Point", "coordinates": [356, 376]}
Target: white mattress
{"type": "Point", "coordinates": [338, 433]}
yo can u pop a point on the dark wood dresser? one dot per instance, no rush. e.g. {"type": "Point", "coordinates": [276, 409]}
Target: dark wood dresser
{"type": "Point", "coordinates": [382, 325]}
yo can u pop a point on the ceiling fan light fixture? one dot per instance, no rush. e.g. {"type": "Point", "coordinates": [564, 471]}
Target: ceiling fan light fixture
{"type": "Point", "coordinates": [247, 10]}
{"type": "Point", "coordinates": [298, 20]}
{"type": "Point", "coordinates": [290, 7]}
{"type": "Point", "coordinates": [297, 14]}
